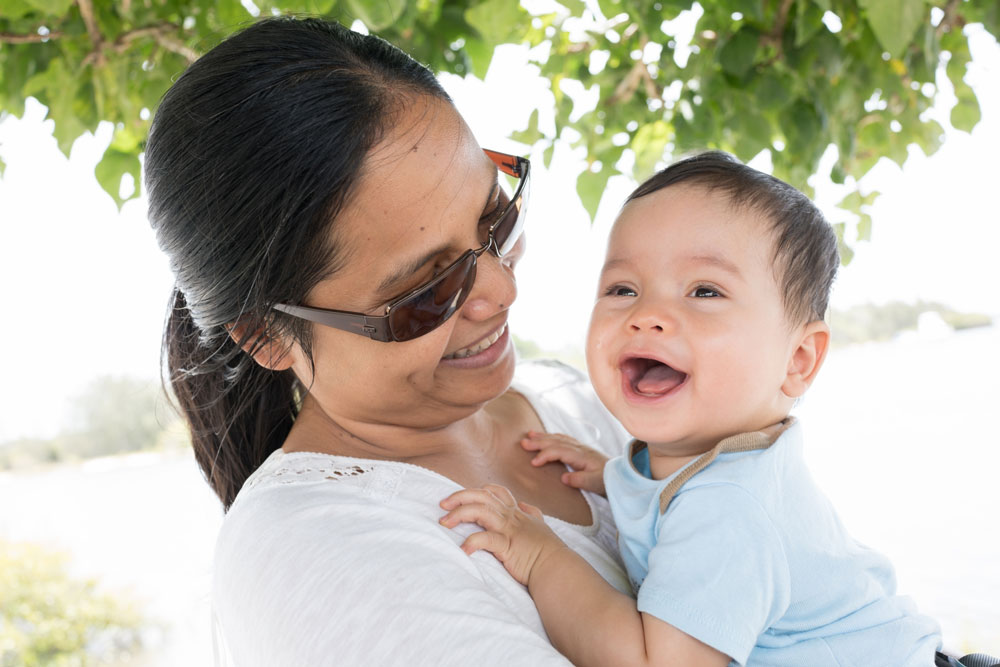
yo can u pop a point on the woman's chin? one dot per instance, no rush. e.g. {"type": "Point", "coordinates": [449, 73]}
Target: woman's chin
{"type": "Point", "coordinates": [483, 377]}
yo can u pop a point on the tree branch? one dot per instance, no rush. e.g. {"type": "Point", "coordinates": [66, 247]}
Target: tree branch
{"type": "Point", "coordinates": [87, 12]}
{"type": "Point", "coordinates": [175, 46]}
{"type": "Point", "coordinates": [774, 38]}
{"type": "Point", "coordinates": [951, 18]}
{"type": "Point", "coordinates": [653, 90]}
{"type": "Point", "coordinates": [161, 33]}
{"type": "Point", "coordinates": [779, 24]}
{"type": "Point", "coordinates": [626, 89]}
{"type": "Point", "coordinates": [10, 38]}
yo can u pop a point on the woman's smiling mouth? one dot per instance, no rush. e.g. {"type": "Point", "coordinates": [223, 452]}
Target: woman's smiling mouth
{"type": "Point", "coordinates": [480, 346]}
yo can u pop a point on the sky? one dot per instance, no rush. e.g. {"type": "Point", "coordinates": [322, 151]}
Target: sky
{"type": "Point", "coordinates": [84, 287]}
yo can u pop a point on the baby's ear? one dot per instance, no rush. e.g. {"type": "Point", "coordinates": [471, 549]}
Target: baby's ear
{"type": "Point", "coordinates": [269, 351]}
{"type": "Point", "coordinates": [806, 358]}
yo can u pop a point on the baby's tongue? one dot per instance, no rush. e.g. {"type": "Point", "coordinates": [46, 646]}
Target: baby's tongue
{"type": "Point", "coordinates": [659, 379]}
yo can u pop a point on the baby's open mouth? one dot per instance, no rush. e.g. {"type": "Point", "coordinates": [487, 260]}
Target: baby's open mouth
{"type": "Point", "coordinates": [650, 377]}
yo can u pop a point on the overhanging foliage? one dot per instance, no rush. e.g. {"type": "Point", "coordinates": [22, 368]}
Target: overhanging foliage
{"type": "Point", "coordinates": [788, 76]}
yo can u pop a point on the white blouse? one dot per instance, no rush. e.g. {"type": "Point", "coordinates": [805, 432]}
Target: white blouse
{"type": "Point", "coordinates": [333, 560]}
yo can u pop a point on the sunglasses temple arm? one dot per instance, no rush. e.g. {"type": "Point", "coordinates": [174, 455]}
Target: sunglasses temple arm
{"type": "Point", "coordinates": [376, 328]}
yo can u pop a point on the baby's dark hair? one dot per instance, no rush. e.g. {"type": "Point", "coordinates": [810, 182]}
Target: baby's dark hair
{"type": "Point", "coordinates": [805, 246]}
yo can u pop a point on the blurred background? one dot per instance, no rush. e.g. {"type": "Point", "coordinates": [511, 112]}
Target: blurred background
{"type": "Point", "coordinates": [106, 525]}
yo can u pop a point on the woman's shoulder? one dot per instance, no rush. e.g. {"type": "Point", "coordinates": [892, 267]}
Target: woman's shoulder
{"type": "Point", "coordinates": [290, 485]}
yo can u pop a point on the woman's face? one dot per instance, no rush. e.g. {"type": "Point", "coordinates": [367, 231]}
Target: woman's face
{"type": "Point", "coordinates": [420, 202]}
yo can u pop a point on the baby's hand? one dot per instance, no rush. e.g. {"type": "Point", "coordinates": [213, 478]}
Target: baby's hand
{"type": "Point", "coordinates": [587, 464]}
{"type": "Point", "coordinates": [513, 532]}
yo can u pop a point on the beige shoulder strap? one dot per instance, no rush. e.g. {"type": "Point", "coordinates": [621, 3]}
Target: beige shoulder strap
{"type": "Point", "coordinates": [743, 442]}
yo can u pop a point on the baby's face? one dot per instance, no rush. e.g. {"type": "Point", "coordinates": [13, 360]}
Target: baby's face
{"type": "Point", "coordinates": [688, 341]}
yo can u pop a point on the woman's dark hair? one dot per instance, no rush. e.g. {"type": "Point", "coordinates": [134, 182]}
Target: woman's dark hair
{"type": "Point", "coordinates": [805, 246]}
{"type": "Point", "coordinates": [251, 155]}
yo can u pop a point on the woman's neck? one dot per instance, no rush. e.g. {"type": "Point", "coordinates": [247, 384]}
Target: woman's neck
{"type": "Point", "coordinates": [477, 449]}
{"type": "Point", "coordinates": [471, 438]}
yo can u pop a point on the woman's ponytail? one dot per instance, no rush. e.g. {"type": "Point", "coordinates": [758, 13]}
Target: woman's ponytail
{"type": "Point", "coordinates": [238, 412]}
{"type": "Point", "coordinates": [251, 155]}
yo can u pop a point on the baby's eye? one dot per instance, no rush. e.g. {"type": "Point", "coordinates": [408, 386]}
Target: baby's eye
{"type": "Point", "coordinates": [620, 290]}
{"type": "Point", "coordinates": [705, 292]}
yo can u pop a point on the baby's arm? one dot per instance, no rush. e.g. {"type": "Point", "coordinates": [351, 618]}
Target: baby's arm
{"type": "Point", "coordinates": [589, 621]}
{"type": "Point", "coordinates": [587, 463]}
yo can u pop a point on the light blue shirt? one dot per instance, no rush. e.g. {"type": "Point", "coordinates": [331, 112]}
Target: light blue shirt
{"type": "Point", "coordinates": [751, 559]}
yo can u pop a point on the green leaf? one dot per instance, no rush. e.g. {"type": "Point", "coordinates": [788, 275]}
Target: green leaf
{"type": "Point", "coordinates": [865, 227]}
{"type": "Point", "coordinates": [773, 90]}
{"type": "Point", "coordinates": [808, 21]}
{"type": "Point", "coordinates": [846, 254]}
{"type": "Point", "coordinates": [480, 55]}
{"type": "Point", "coordinates": [611, 8]}
{"type": "Point", "coordinates": [530, 134]}
{"type": "Point", "coordinates": [837, 174]}
{"type": "Point", "coordinates": [112, 167]}
{"type": "Point", "coordinates": [14, 9]}
{"type": "Point", "coordinates": [802, 126]}
{"type": "Point", "coordinates": [377, 15]}
{"type": "Point", "coordinates": [648, 145]}
{"type": "Point", "coordinates": [230, 13]}
{"type": "Point", "coordinates": [590, 188]}
{"type": "Point", "coordinates": [52, 7]}
{"type": "Point", "coordinates": [495, 20]}
{"type": "Point", "coordinates": [894, 22]}
{"type": "Point", "coordinates": [966, 112]}
{"type": "Point", "coordinates": [547, 155]}
{"type": "Point", "coordinates": [3, 166]}
{"type": "Point", "coordinates": [575, 7]}
{"type": "Point", "coordinates": [753, 136]}
{"type": "Point", "coordinates": [737, 55]}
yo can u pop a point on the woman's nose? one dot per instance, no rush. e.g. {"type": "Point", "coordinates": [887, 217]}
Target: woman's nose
{"type": "Point", "coordinates": [495, 287]}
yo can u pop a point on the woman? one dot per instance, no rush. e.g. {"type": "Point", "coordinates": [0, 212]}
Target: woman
{"type": "Point", "coordinates": [338, 343]}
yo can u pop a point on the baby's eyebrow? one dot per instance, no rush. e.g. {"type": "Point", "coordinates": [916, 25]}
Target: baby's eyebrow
{"type": "Point", "coordinates": [717, 261]}
{"type": "Point", "coordinates": [613, 264]}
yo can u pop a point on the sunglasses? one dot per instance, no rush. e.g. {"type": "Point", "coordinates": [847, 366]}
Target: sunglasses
{"type": "Point", "coordinates": [428, 306]}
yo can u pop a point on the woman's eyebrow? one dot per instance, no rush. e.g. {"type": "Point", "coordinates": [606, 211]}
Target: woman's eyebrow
{"type": "Point", "coordinates": [408, 269]}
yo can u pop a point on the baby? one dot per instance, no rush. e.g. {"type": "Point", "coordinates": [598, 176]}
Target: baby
{"type": "Point", "coordinates": [708, 326]}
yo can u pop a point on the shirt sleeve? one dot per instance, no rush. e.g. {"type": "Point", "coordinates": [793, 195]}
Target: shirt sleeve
{"type": "Point", "coordinates": [362, 584]}
{"type": "Point", "coordinates": [718, 570]}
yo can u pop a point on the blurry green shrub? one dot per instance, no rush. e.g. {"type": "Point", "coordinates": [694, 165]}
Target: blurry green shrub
{"type": "Point", "coordinates": [49, 618]}
{"type": "Point", "coordinates": [870, 322]}
{"type": "Point", "coordinates": [112, 415]}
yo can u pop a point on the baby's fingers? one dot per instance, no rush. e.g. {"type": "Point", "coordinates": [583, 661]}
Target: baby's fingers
{"type": "Point", "coordinates": [469, 496]}
{"type": "Point", "coordinates": [484, 515]}
{"type": "Point", "coordinates": [495, 543]}
{"type": "Point", "coordinates": [571, 455]}
{"type": "Point", "coordinates": [587, 480]}
{"type": "Point", "coordinates": [535, 440]}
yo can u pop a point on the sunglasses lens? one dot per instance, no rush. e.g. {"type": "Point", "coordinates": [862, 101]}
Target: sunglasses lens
{"type": "Point", "coordinates": [428, 308]}
{"type": "Point", "coordinates": [508, 229]}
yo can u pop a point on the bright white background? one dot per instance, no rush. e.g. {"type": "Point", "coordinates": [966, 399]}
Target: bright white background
{"type": "Point", "coordinates": [897, 432]}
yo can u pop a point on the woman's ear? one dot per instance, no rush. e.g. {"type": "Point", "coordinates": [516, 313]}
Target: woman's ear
{"type": "Point", "coordinates": [269, 351]}
{"type": "Point", "coordinates": [806, 358]}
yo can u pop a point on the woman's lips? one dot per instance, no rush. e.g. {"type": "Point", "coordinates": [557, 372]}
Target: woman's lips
{"type": "Point", "coordinates": [483, 353]}
{"type": "Point", "coordinates": [478, 347]}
